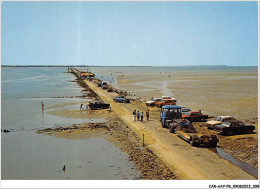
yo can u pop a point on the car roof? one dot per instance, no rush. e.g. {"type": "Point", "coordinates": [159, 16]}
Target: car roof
{"type": "Point", "coordinates": [225, 116]}
{"type": "Point", "coordinates": [170, 107]}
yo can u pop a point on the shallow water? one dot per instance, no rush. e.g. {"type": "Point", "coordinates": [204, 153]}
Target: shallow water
{"type": "Point", "coordinates": [248, 168]}
{"type": "Point", "coordinates": [41, 157]}
{"type": "Point", "coordinates": [27, 155]}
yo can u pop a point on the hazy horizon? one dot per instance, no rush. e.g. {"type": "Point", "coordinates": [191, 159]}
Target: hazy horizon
{"type": "Point", "coordinates": [129, 33]}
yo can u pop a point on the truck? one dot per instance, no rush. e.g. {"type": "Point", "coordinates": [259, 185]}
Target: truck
{"type": "Point", "coordinates": [169, 114]}
{"type": "Point", "coordinates": [187, 132]}
{"type": "Point", "coordinates": [171, 118]}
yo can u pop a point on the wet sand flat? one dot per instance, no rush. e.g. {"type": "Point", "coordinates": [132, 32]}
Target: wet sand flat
{"type": "Point", "coordinates": [215, 93]}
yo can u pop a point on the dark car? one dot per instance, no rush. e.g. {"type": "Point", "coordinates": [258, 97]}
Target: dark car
{"type": "Point", "coordinates": [121, 99]}
{"type": "Point", "coordinates": [195, 116]}
{"type": "Point", "coordinates": [234, 127]}
{"type": "Point", "coordinates": [99, 105]}
{"type": "Point", "coordinates": [185, 110]}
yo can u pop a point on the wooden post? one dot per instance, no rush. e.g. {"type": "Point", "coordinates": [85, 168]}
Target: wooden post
{"type": "Point", "coordinates": [143, 139]}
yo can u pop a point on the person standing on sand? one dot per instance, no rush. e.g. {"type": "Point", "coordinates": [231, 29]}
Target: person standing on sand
{"type": "Point", "coordinates": [138, 115]}
{"type": "Point", "coordinates": [142, 116]}
{"type": "Point", "coordinates": [42, 105]}
{"type": "Point", "coordinates": [81, 107]}
{"type": "Point", "coordinates": [134, 114]}
{"type": "Point", "coordinates": [147, 114]}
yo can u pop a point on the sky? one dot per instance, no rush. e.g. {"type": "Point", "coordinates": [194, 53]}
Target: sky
{"type": "Point", "coordinates": [129, 33]}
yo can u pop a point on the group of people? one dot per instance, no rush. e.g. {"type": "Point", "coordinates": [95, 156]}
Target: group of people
{"type": "Point", "coordinates": [140, 116]}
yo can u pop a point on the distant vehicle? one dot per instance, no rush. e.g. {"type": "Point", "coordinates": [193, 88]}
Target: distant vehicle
{"type": "Point", "coordinates": [104, 85]}
{"type": "Point", "coordinates": [110, 89]}
{"type": "Point", "coordinates": [218, 121]}
{"type": "Point", "coordinates": [99, 105]}
{"type": "Point", "coordinates": [194, 116]}
{"type": "Point", "coordinates": [165, 102]}
{"type": "Point", "coordinates": [99, 82]}
{"type": "Point", "coordinates": [86, 74]}
{"type": "Point", "coordinates": [121, 99]}
{"type": "Point", "coordinates": [169, 114]}
{"type": "Point", "coordinates": [185, 110]}
{"type": "Point", "coordinates": [187, 132]}
{"type": "Point", "coordinates": [167, 97]}
{"type": "Point", "coordinates": [234, 127]}
{"type": "Point", "coordinates": [152, 101]}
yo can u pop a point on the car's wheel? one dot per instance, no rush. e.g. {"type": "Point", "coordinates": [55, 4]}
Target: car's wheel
{"type": "Point", "coordinates": [171, 129]}
{"type": "Point", "coordinates": [123, 101]}
{"type": "Point", "coordinates": [192, 140]}
{"type": "Point", "coordinates": [251, 131]}
{"type": "Point", "coordinates": [163, 126]}
{"type": "Point", "coordinates": [214, 145]}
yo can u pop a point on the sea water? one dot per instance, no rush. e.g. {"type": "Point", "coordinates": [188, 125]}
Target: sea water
{"type": "Point", "coordinates": [30, 156]}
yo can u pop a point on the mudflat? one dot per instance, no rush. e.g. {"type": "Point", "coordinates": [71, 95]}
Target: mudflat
{"type": "Point", "coordinates": [221, 92]}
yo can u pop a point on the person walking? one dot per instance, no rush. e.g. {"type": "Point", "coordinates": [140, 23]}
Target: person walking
{"type": "Point", "coordinates": [142, 116]}
{"type": "Point", "coordinates": [134, 115]}
{"type": "Point", "coordinates": [42, 105]}
{"type": "Point", "coordinates": [81, 107]}
{"type": "Point", "coordinates": [138, 115]}
{"type": "Point", "coordinates": [147, 114]}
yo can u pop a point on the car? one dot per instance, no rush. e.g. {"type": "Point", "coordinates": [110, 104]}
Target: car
{"type": "Point", "coordinates": [121, 98]}
{"type": "Point", "coordinates": [218, 121]}
{"type": "Point", "coordinates": [104, 85]}
{"type": "Point", "coordinates": [99, 82]}
{"type": "Point", "coordinates": [99, 105]}
{"type": "Point", "coordinates": [165, 102]}
{"type": "Point", "coordinates": [168, 97]}
{"type": "Point", "coordinates": [195, 116]}
{"type": "Point", "coordinates": [152, 101]}
{"type": "Point", "coordinates": [185, 110]}
{"type": "Point", "coordinates": [234, 127]}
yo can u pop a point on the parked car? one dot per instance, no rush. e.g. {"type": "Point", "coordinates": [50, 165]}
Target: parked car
{"type": "Point", "coordinates": [121, 99]}
{"type": "Point", "coordinates": [165, 102]}
{"type": "Point", "coordinates": [234, 127]}
{"type": "Point", "coordinates": [220, 119]}
{"type": "Point", "coordinates": [152, 101]}
{"type": "Point", "coordinates": [185, 110]}
{"type": "Point", "coordinates": [194, 116]}
{"type": "Point", "coordinates": [99, 82]}
{"type": "Point", "coordinates": [99, 105]}
{"type": "Point", "coordinates": [104, 85]}
{"type": "Point", "coordinates": [110, 89]}
{"type": "Point", "coordinates": [168, 97]}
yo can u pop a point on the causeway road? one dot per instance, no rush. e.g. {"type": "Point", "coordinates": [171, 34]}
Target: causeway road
{"type": "Point", "coordinates": [187, 162]}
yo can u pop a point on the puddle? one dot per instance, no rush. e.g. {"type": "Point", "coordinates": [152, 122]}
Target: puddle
{"type": "Point", "coordinates": [247, 168]}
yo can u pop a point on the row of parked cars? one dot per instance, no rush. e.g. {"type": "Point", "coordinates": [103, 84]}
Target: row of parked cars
{"type": "Point", "coordinates": [229, 125]}
{"type": "Point", "coordinates": [159, 102]}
